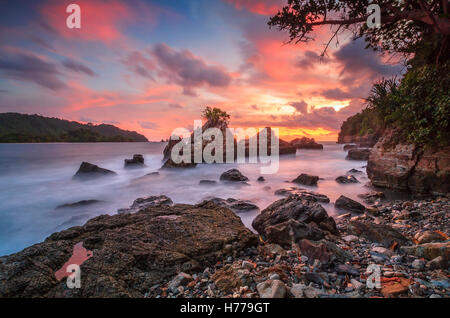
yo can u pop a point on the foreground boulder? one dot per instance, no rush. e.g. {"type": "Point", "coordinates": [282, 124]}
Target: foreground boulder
{"type": "Point", "coordinates": [403, 166]}
{"type": "Point", "coordinates": [130, 252]}
{"type": "Point", "coordinates": [358, 154]}
{"type": "Point", "coordinates": [378, 233]}
{"type": "Point", "coordinates": [233, 175]}
{"type": "Point", "coordinates": [306, 179]}
{"type": "Point", "coordinates": [292, 219]}
{"type": "Point", "coordinates": [90, 171]}
{"type": "Point", "coordinates": [306, 143]}
{"type": "Point", "coordinates": [350, 205]}
{"type": "Point", "coordinates": [137, 161]}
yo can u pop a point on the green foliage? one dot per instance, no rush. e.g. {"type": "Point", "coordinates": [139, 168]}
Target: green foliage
{"type": "Point", "coordinates": [215, 115]}
{"type": "Point", "coordinates": [16, 127]}
{"type": "Point", "coordinates": [364, 123]}
{"type": "Point", "coordinates": [419, 105]}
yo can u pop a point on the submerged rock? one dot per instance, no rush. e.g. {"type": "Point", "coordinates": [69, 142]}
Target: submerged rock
{"type": "Point", "coordinates": [143, 203]}
{"type": "Point", "coordinates": [347, 179]}
{"type": "Point", "coordinates": [137, 161]}
{"type": "Point", "coordinates": [90, 171]}
{"type": "Point", "coordinates": [207, 182]}
{"type": "Point", "coordinates": [233, 175]}
{"type": "Point", "coordinates": [78, 204]}
{"type": "Point", "coordinates": [348, 204]}
{"type": "Point", "coordinates": [233, 204]}
{"type": "Point", "coordinates": [306, 179]}
{"type": "Point", "coordinates": [130, 252]}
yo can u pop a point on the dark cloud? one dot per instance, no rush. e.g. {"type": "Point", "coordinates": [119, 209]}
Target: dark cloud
{"type": "Point", "coordinates": [140, 65]}
{"type": "Point", "coordinates": [356, 60]}
{"type": "Point", "coordinates": [77, 67]}
{"type": "Point", "coordinates": [41, 42]}
{"type": "Point", "coordinates": [309, 59]}
{"type": "Point", "coordinates": [301, 107]}
{"type": "Point", "coordinates": [185, 69]}
{"type": "Point", "coordinates": [147, 125]}
{"type": "Point", "coordinates": [31, 69]}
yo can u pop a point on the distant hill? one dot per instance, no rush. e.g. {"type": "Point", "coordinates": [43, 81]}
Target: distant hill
{"type": "Point", "coordinates": [15, 127]}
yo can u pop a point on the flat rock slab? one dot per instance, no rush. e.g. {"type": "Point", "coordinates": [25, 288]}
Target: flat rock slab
{"type": "Point", "coordinates": [130, 252]}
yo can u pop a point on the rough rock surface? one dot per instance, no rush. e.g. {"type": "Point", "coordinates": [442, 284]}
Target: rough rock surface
{"type": "Point", "coordinates": [234, 204]}
{"type": "Point", "coordinates": [78, 204]}
{"type": "Point", "coordinates": [346, 179]}
{"type": "Point", "coordinates": [306, 179]}
{"type": "Point", "coordinates": [362, 141]}
{"type": "Point", "coordinates": [89, 171]}
{"type": "Point", "coordinates": [402, 166]}
{"type": "Point", "coordinates": [131, 252]}
{"type": "Point", "coordinates": [358, 154]}
{"type": "Point", "coordinates": [379, 233]}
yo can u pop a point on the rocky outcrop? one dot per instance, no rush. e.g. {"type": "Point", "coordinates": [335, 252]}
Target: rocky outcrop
{"type": "Point", "coordinates": [137, 161]}
{"type": "Point", "coordinates": [402, 166]}
{"type": "Point", "coordinates": [130, 252]}
{"type": "Point", "coordinates": [361, 141]}
{"type": "Point", "coordinates": [306, 143]}
{"type": "Point", "coordinates": [285, 147]}
{"type": "Point", "coordinates": [234, 204]}
{"type": "Point", "coordinates": [306, 179]}
{"type": "Point", "coordinates": [292, 219]}
{"type": "Point", "coordinates": [90, 171]}
{"type": "Point", "coordinates": [358, 154]}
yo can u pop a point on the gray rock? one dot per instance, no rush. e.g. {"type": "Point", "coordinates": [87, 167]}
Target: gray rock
{"type": "Point", "coordinates": [306, 179]}
{"type": "Point", "coordinates": [233, 175]}
{"type": "Point", "coordinates": [348, 204]}
{"type": "Point", "coordinates": [271, 289]}
{"type": "Point", "coordinates": [90, 171]}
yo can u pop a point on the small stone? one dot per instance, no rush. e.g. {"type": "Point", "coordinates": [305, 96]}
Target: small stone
{"type": "Point", "coordinates": [274, 276]}
{"type": "Point", "coordinates": [435, 296]}
{"type": "Point", "coordinates": [395, 288]}
{"type": "Point", "coordinates": [418, 264]}
{"type": "Point", "coordinates": [271, 289]}
{"type": "Point", "coordinates": [350, 238]}
{"type": "Point", "coordinates": [304, 258]}
{"type": "Point", "coordinates": [247, 265]}
{"type": "Point", "coordinates": [181, 279]}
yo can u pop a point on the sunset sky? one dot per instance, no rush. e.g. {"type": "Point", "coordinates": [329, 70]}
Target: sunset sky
{"type": "Point", "coordinates": [151, 66]}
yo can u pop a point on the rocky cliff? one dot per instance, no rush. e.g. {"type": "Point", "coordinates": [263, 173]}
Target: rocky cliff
{"type": "Point", "coordinates": [403, 166]}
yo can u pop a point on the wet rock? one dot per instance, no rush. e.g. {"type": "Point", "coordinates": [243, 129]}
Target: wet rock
{"type": "Point", "coordinates": [354, 171]}
{"type": "Point", "coordinates": [428, 251]}
{"type": "Point", "coordinates": [348, 147]}
{"type": "Point", "coordinates": [371, 197]}
{"type": "Point", "coordinates": [231, 277]}
{"type": "Point", "coordinates": [207, 182]}
{"type": "Point", "coordinates": [130, 252]}
{"type": "Point", "coordinates": [296, 208]}
{"type": "Point", "coordinates": [418, 264]}
{"type": "Point", "coordinates": [261, 179]}
{"type": "Point", "coordinates": [306, 179]}
{"type": "Point", "coordinates": [233, 204]}
{"type": "Point", "coordinates": [347, 179]}
{"type": "Point", "coordinates": [271, 289]}
{"type": "Point", "coordinates": [144, 203]}
{"type": "Point", "coordinates": [78, 204]}
{"type": "Point", "coordinates": [358, 154]}
{"type": "Point", "coordinates": [90, 171]}
{"type": "Point", "coordinates": [348, 204]}
{"type": "Point", "coordinates": [303, 193]}
{"type": "Point", "coordinates": [306, 143]}
{"type": "Point", "coordinates": [137, 161]}
{"type": "Point", "coordinates": [379, 233]}
{"type": "Point", "coordinates": [233, 175]}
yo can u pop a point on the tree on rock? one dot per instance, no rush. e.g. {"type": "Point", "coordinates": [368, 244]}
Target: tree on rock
{"type": "Point", "coordinates": [215, 115]}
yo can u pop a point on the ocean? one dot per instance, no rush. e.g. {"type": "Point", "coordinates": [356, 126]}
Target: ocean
{"type": "Point", "coordinates": [36, 178]}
